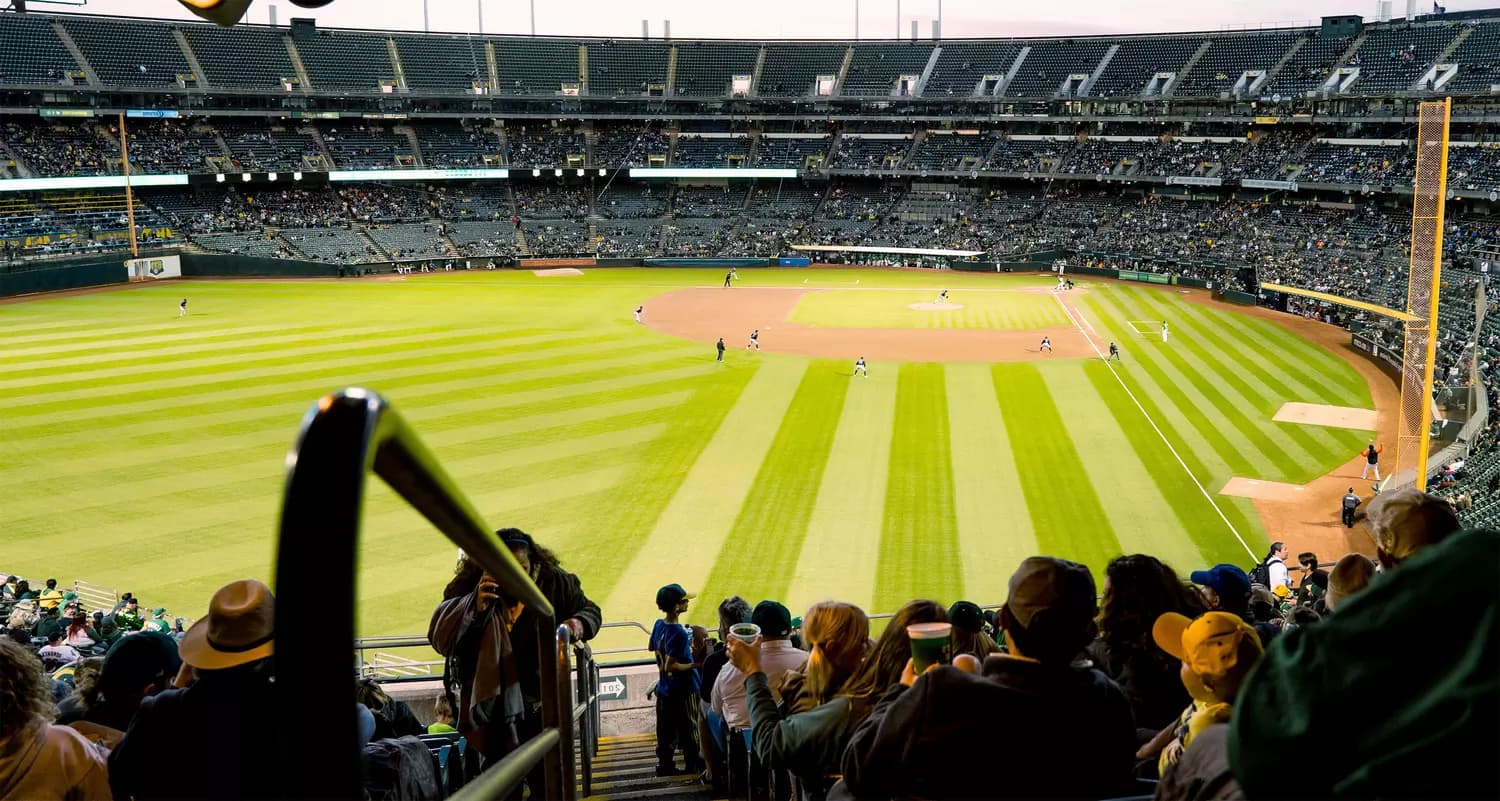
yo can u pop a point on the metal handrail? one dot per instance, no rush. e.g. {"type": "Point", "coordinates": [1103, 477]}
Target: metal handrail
{"type": "Point", "coordinates": [343, 438]}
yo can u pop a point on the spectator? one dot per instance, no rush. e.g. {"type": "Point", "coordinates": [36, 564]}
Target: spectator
{"type": "Point", "coordinates": [442, 714]}
{"type": "Point", "coordinates": [1137, 590]}
{"type": "Point", "coordinates": [218, 730]}
{"type": "Point", "coordinates": [1276, 571]}
{"type": "Point", "coordinates": [393, 718]}
{"type": "Point", "coordinates": [1063, 730]}
{"type": "Point", "coordinates": [471, 629]}
{"type": "Point", "coordinates": [80, 634]}
{"type": "Point", "coordinates": [970, 631]}
{"type": "Point", "coordinates": [837, 637]}
{"type": "Point", "coordinates": [40, 761]}
{"type": "Point", "coordinates": [51, 597]}
{"type": "Point", "coordinates": [56, 652]}
{"type": "Point", "coordinates": [1421, 727]}
{"type": "Point", "coordinates": [1350, 575]}
{"type": "Point", "coordinates": [1406, 521]}
{"type": "Point", "coordinates": [47, 623]}
{"type": "Point", "coordinates": [676, 685]}
{"type": "Point", "coordinates": [139, 667]}
{"type": "Point", "coordinates": [777, 657]}
{"type": "Point", "coordinates": [1314, 580]}
{"type": "Point", "coordinates": [811, 744]}
{"type": "Point", "coordinates": [1216, 652]}
{"type": "Point", "coordinates": [159, 621]}
{"type": "Point", "coordinates": [129, 618]}
{"type": "Point", "coordinates": [711, 730]}
{"type": "Point", "coordinates": [84, 678]}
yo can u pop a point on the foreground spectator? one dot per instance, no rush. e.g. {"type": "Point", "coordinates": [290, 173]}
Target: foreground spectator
{"type": "Point", "coordinates": [393, 718]}
{"type": "Point", "coordinates": [811, 744]}
{"type": "Point", "coordinates": [970, 634]}
{"type": "Point", "coordinates": [1138, 589]}
{"type": "Point", "coordinates": [471, 629]}
{"type": "Point", "coordinates": [732, 610]}
{"type": "Point", "coordinates": [1350, 574]}
{"type": "Point", "coordinates": [777, 657]}
{"type": "Point", "coordinates": [1406, 521]}
{"type": "Point", "coordinates": [676, 685]}
{"type": "Point", "coordinates": [442, 717]}
{"type": "Point", "coordinates": [1424, 723]}
{"type": "Point", "coordinates": [220, 730]}
{"type": "Point", "coordinates": [1217, 652]}
{"type": "Point", "coordinates": [40, 761]}
{"type": "Point", "coordinates": [1062, 731]}
{"type": "Point", "coordinates": [1314, 582]}
{"type": "Point", "coordinates": [837, 637]}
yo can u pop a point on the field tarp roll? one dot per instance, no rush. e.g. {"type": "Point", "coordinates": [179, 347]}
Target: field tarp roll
{"type": "Point", "coordinates": [57, 276]}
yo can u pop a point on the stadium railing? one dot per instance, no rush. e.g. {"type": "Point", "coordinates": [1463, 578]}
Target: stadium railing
{"type": "Point", "coordinates": [343, 438]}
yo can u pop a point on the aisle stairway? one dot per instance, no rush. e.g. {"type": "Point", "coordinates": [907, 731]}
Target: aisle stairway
{"type": "Point", "coordinates": [626, 769]}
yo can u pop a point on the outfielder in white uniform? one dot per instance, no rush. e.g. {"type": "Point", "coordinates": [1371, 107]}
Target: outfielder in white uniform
{"type": "Point", "coordinates": [638, 311]}
{"type": "Point", "coordinates": [1164, 330]}
{"type": "Point", "coordinates": [859, 367]}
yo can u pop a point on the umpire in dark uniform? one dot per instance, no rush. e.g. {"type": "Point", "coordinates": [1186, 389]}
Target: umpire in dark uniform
{"type": "Point", "coordinates": [1350, 503]}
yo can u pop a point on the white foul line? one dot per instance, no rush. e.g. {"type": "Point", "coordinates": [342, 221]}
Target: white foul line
{"type": "Point", "coordinates": [1154, 426]}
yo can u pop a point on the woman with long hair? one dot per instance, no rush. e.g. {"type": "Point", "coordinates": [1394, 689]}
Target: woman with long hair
{"type": "Point", "coordinates": [41, 761]}
{"type": "Point", "coordinates": [1137, 590]}
{"type": "Point", "coordinates": [811, 744]}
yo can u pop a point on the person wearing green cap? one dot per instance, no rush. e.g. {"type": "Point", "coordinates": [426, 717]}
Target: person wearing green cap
{"type": "Point", "coordinates": [158, 621]}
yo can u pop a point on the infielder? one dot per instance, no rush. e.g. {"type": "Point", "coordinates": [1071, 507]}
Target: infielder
{"type": "Point", "coordinates": [182, 308]}
{"type": "Point", "coordinates": [638, 311]}
{"type": "Point", "coordinates": [754, 343]}
{"type": "Point", "coordinates": [859, 367]}
{"type": "Point", "coordinates": [1046, 344]}
{"type": "Point", "coordinates": [1114, 353]}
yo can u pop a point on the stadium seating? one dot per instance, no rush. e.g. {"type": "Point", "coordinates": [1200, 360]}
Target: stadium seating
{"type": "Point", "coordinates": [952, 152]}
{"type": "Point", "coordinates": [458, 145]}
{"type": "Point", "coordinates": [962, 66]}
{"type": "Point", "coordinates": [31, 53]}
{"type": "Point", "coordinates": [707, 68]}
{"type": "Point", "coordinates": [709, 201]}
{"type": "Point", "coordinates": [1050, 63]}
{"type": "Point", "coordinates": [1309, 67]}
{"type": "Point", "coordinates": [550, 201]}
{"type": "Point", "coordinates": [1026, 155]}
{"type": "Point", "coordinates": [408, 240]}
{"type": "Point", "coordinates": [1229, 56]}
{"type": "Point", "coordinates": [1478, 57]}
{"type": "Point", "coordinates": [247, 57]}
{"type": "Point", "coordinates": [790, 70]}
{"type": "Point", "coordinates": [875, 68]}
{"type": "Point", "coordinates": [699, 151]}
{"type": "Point", "coordinates": [623, 200]}
{"type": "Point", "coordinates": [61, 148]}
{"type": "Point", "coordinates": [169, 146]}
{"type": "Point", "coordinates": [346, 61]}
{"type": "Point", "coordinates": [1138, 60]}
{"type": "Point", "coordinates": [496, 238]}
{"type": "Point", "coordinates": [1392, 59]}
{"type": "Point", "coordinates": [784, 152]}
{"type": "Point", "coordinates": [335, 245]}
{"type": "Point", "coordinates": [449, 64]}
{"type": "Point", "coordinates": [536, 66]}
{"type": "Point", "coordinates": [152, 58]}
{"type": "Point", "coordinates": [259, 147]}
{"type": "Point", "coordinates": [629, 146]}
{"type": "Point", "coordinates": [542, 146]}
{"type": "Point", "coordinates": [862, 153]}
{"type": "Point", "coordinates": [362, 147]}
{"type": "Point", "coordinates": [627, 68]}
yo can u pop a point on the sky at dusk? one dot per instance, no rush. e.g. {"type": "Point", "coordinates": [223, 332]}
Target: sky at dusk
{"type": "Point", "coordinates": [794, 18]}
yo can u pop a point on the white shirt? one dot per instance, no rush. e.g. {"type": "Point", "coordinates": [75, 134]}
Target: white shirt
{"type": "Point", "coordinates": [1279, 574]}
{"type": "Point", "coordinates": [728, 697]}
{"type": "Point", "coordinates": [64, 652]}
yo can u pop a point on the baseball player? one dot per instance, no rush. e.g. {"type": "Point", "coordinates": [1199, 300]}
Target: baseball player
{"type": "Point", "coordinates": [720, 347]}
{"type": "Point", "coordinates": [1164, 330]}
{"type": "Point", "coordinates": [1114, 353]}
{"type": "Point", "coordinates": [182, 308]}
{"type": "Point", "coordinates": [942, 296]}
{"type": "Point", "coordinates": [1372, 462]}
{"type": "Point", "coordinates": [638, 311]}
{"type": "Point", "coordinates": [859, 367]}
{"type": "Point", "coordinates": [754, 343]}
{"type": "Point", "coordinates": [1046, 344]}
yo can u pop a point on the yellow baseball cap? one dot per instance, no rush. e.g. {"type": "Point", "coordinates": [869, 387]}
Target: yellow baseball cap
{"type": "Point", "coordinates": [1213, 646]}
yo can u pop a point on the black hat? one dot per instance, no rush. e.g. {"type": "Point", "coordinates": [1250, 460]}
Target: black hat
{"type": "Point", "coordinates": [668, 597]}
{"type": "Point", "coordinates": [1053, 593]}
{"type": "Point", "coordinates": [773, 618]}
{"type": "Point", "coordinates": [967, 616]}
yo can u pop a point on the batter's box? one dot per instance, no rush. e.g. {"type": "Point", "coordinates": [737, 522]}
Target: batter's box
{"type": "Point", "coordinates": [1145, 328]}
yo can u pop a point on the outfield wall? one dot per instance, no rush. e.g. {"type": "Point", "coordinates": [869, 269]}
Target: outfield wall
{"type": "Point", "coordinates": [222, 265]}
{"type": "Point", "coordinates": [63, 275]}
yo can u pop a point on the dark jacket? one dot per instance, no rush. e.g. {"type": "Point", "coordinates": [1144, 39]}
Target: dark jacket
{"type": "Point", "coordinates": [212, 740]}
{"type": "Point", "coordinates": [1152, 684]}
{"type": "Point", "coordinates": [810, 744]}
{"type": "Point", "coordinates": [481, 665]}
{"type": "Point", "coordinates": [565, 593]}
{"type": "Point", "coordinates": [1414, 717]}
{"type": "Point", "coordinates": [712, 665]}
{"type": "Point", "coordinates": [1057, 732]}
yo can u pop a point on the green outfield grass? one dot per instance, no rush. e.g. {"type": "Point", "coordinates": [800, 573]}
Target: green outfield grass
{"type": "Point", "coordinates": [980, 308]}
{"type": "Point", "coordinates": [146, 452]}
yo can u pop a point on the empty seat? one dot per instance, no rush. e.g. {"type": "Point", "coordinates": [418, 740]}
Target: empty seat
{"type": "Point", "coordinates": [31, 53]}
{"type": "Point", "coordinates": [535, 66]}
{"type": "Point", "coordinates": [442, 64]}
{"type": "Point", "coordinates": [961, 66]}
{"type": "Point", "coordinates": [245, 57]}
{"type": "Point", "coordinates": [337, 60]}
{"type": "Point", "coordinates": [707, 68]}
{"type": "Point", "coordinates": [875, 68]}
{"type": "Point", "coordinates": [626, 68]}
{"type": "Point", "coordinates": [1136, 61]}
{"type": "Point", "coordinates": [1229, 56]}
{"type": "Point", "coordinates": [1049, 63]}
{"type": "Point", "coordinates": [129, 53]}
{"type": "Point", "coordinates": [790, 68]}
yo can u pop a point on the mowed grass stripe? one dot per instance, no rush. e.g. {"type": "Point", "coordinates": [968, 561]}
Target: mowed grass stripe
{"type": "Point", "coordinates": [1244, 395]}
{"type": "Point", "coordinates": [1306, 361]}
{"type": "Point", "coordinates": [712, 494]}
{"type": "Point", "coordinates": [994, 525]}
{"type": "Point", "coordinates": [99, 347]}
{"type": "Point", "coordinates": [840, 554]}
{"type": "Point", "coordinates": [1251, 452]}
{"type": "Point", "coordinates": [1253, 378]}
{"type": "Point", "coordinates": [773, 522]}
{"type": "Point", "coordinates": [431, 342]}
{"type": "Point", "coordinates": [919, 555]}
{"type": "Point", "coordinates": [1198, 535]}
{"type": "Point", "coordinates": [1066, 512]}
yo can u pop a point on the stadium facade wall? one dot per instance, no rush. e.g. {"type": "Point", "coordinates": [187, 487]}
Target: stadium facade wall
{"type": "Point", "coordinates": [64, 275]}
{"type": "Point", "coordinates": [203, 265]}
{"type": "Point", "coordinates": [694, 262]}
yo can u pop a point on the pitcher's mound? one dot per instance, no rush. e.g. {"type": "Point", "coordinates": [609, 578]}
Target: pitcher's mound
{"type": "Point", "coordinates": [935, 306]}
{"type": "Point", "coordinates": [557, 271]}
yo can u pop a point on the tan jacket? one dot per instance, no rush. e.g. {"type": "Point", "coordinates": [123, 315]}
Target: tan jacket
{"type": "Point", "coordinates": [494, 662]}
{"type": "Point", "coordinates": [52, 763]}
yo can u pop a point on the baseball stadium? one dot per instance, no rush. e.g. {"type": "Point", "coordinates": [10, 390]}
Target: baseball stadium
{"type": "Point", "coordinates": [529, 371]}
